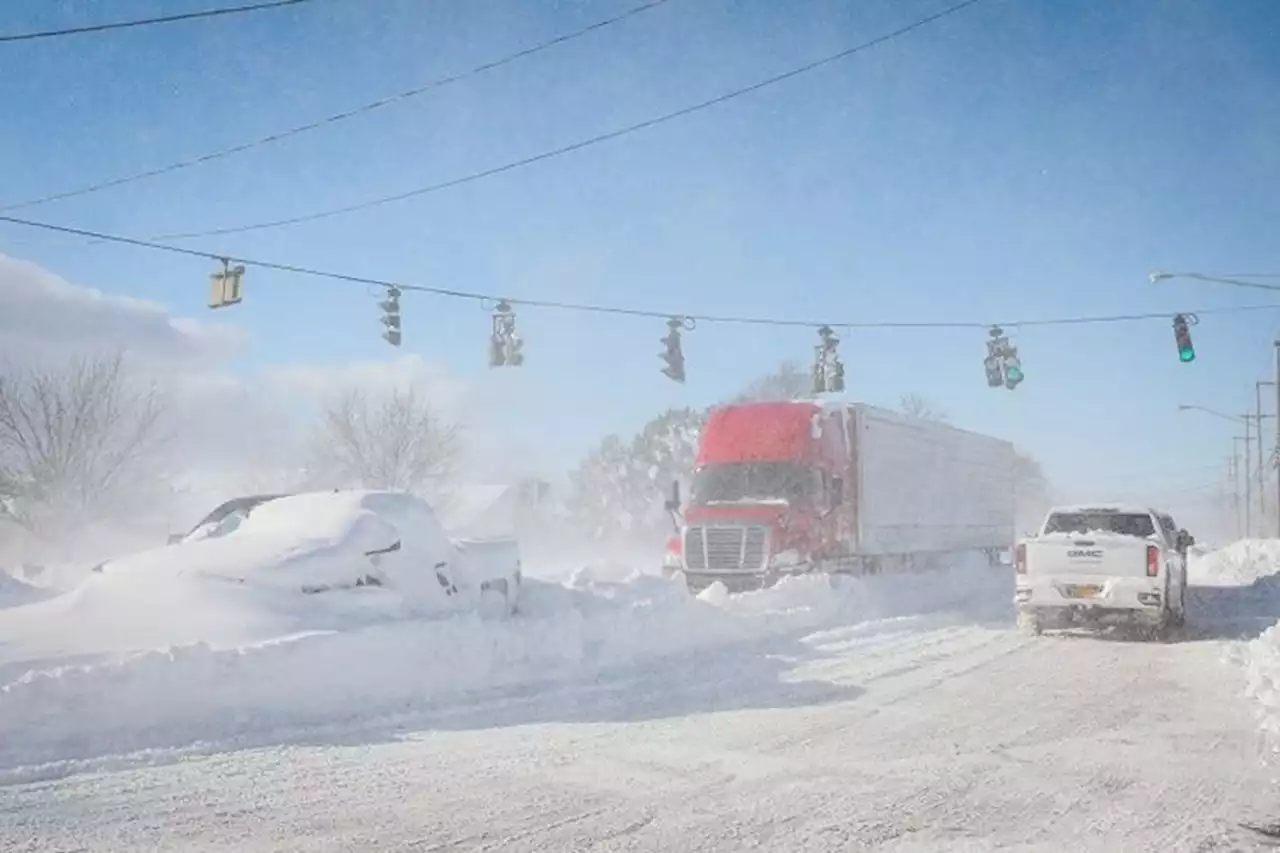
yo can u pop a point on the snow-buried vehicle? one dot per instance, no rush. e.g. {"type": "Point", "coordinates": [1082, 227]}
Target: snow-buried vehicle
{"type": "Point", "coordinates": [322, 542]}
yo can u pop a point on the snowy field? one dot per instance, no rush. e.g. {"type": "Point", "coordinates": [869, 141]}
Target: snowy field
{"type": "Point", "coordinates": [888, 713]}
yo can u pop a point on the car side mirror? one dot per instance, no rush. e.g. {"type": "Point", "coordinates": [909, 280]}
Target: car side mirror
{"type": "Point", "coordinates": [837, 491]}
{"type": "Point", "coordinates": [673, 502]}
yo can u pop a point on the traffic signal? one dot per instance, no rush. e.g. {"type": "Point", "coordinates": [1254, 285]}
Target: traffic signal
{"type": "Point", "coordinates": [673, 355]}
{"type": "Point", "coordinates": [1002, 365]}
{"type": "Point", "coordinates": [226, 287]}
{"type": "Point", "coordinates": [1012, 370]}
{"type": "Point", "coordinates": [991, 364]}
{"type": "Point", "coordinates": [505, 346]}
{"type": "Point", "coordinates": [391, 316]}
{"type": "Point", "coordinates": [836, 383]}
{"type": "Point", "coordinates": [828, 370]}
{"type": "Point", "coordinates": [1182, 335]}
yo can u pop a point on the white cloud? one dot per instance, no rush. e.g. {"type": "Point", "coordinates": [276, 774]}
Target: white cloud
{"type": "Point", "coordinates": [43, 312]}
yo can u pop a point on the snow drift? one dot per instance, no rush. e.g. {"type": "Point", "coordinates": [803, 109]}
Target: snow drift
{"type": "Point", "coordinates": [55, 711]}
{"type": "Point", "coordinates": [1251, 566]}
{"type": "Point", "coordinates": [1238, 564]}
{"type": "Point", "coordinates": [15, 592]}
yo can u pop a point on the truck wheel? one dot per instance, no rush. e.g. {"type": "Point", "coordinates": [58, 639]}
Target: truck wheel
{"type": "Point", "coordinates": [1029, 623]}
{"type": "Point", "coordinates": [1166, 629]}
{"type": "Point", "coordinates": [1180, 616]}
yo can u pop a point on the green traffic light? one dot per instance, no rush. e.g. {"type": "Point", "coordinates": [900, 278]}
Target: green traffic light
{"type": "Point", "coordinates": [1014, 374]}
{"type": "Point", "coordinates": [1186, 354]}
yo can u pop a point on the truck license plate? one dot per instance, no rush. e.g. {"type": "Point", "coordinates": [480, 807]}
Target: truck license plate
{"type": "Point", "coordinates": [1084, 591]}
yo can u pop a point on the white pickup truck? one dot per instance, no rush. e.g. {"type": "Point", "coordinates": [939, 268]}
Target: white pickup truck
{"type": "Point", "coordinates": [1103, 564]}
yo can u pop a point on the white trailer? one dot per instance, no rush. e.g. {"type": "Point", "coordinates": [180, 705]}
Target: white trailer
{"type": "Point", "coordinates": [926, 487]}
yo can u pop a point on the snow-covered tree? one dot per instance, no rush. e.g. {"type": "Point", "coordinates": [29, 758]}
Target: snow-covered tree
{"type": "Point", "coordinates": [918, 407]}
{"type": "Point", "coordinates": [76, 439]}
{"type": "Point", "coordinates": [397, 439]}
{"type": "Point", "coordinates": [789, 381]}
{"type": "Point", "coordinates": [620, 487]}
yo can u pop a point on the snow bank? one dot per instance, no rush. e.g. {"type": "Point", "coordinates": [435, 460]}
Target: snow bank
{"type": "Point", "coordinates": [1252, 566]}
{"type": "Point", "coordinates": [54, 712]}
{"type": "Point", "coordinates": [1261, 659]}
{"type": "Point", "coordinates": [1238, 564]}
{"type": "Point", "coordinates": [15, 592]}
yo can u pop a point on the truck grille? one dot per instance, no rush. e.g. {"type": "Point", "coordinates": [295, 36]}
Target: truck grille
{"type": "Point", "coordinates": [728, 548]}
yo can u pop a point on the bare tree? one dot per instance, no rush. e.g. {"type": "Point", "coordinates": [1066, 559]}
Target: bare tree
{"type": "Point", "coordinates": [918, 407]}
{"type": "Point", "coordinates": [787, 382]}
{"type": "Point", "coordinates": [74, 439]}
{"type": "Point", "coordinates": [397, 441]}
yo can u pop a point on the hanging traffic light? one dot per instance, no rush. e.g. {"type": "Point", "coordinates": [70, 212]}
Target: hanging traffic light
{"type": "Point", "coordinates": [1012, 369]}
{"type": "Point", "coordinates": [673, 355]}
{"type": "Point", "coordinates": [226, 287]}
{"type": "Point", "coordinates": [1002, 365]}
{"type": "Point", "coordinates": [1182, 335]}
{"type": "Point", "coordinates": [391, 316]}
{"type": "Point", "coordinates": [992, 364]}
{"type": "Point", "coordinates": [505, 346]}
{"type": "Point", "coordinates": [828, 371]}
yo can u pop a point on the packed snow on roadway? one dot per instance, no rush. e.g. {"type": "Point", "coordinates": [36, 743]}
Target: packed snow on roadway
{"type": "Point", "coordinates": [143, 659]}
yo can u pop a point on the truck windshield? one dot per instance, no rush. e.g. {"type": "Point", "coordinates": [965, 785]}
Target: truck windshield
{"type": "Point", "coordinates": [746, 481]}
{"type": "Point", "coordinates": [1123, 523]}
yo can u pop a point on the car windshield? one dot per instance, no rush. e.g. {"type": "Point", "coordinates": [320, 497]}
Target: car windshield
{"type": "Point", "coordinates": [1123, 523]}
{"type": "Point", "coordinates": [227, 516]}
{"type": "Point", "coordinates": [746, 481]}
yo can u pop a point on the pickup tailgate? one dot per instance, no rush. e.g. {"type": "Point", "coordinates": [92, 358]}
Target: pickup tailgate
{"type": "Point", "coordinates": [1106, 555]}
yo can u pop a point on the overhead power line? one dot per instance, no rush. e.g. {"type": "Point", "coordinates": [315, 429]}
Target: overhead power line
{"type": "Point", "coordinates": [1233, 279]}
{"type": "Point", "coordinates": [337, 118]}
{"type": "Point", "coordinates": [591, 308]}
{"type": "Point", "coordinates": [583, 143]}
{"type": "Point", "coordinates": [148, 22]}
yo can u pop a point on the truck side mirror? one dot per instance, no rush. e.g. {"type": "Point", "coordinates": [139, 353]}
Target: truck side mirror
{"type": "Point", "coordinates": [673, 502]}
{"type": "Point", "coordinates": [837, 491]}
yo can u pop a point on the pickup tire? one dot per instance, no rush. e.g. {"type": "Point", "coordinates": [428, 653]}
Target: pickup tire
{"type": "Point", "coordinates": [1029, 622]}
{"type": "Point", "coordinates": [1180, 615]}
{"type": "Point", "coordinates": [1166, 630]}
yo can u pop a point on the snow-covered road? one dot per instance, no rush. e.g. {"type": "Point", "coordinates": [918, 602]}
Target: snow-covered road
{"type": "Point", "coordinates": [945, 731]}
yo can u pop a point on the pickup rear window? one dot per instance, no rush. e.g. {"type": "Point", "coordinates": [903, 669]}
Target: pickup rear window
{"type": "Point", "coordinates": [1125, 524]}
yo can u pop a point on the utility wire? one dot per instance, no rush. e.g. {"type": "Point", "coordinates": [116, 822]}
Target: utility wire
{"type": "Point", "coordinates": [584, 143]}
{"type": "Point", "coordinates": [591, 308]}
{"type": "Point", "coordinates": [336, 118]}
{"type": "Point", "coordinates": [1234, 279]}
{"type": "Point", "coordinates": [147, 22]}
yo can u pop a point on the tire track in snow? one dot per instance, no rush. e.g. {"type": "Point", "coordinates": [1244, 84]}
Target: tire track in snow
{"type": "Point", "coordinates": [907, 670]}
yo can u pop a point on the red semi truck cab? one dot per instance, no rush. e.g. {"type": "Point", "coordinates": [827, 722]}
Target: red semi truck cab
{"type": "Point", "coordinates": [769, 494]}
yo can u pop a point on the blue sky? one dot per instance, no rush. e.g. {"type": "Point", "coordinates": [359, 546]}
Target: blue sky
{"type": "Point", "coordinates": [1022, 159]}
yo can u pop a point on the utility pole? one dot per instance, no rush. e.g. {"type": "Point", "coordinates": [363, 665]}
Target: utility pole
{"type": "Point", "coordinates": [1248, 480]}
{"type": "Point", "coordinates": [1276, 459]}
{"type": "Point", "coordinates": [1235, 484]}
{"type": "Point", "coordinates": [1262, 457]}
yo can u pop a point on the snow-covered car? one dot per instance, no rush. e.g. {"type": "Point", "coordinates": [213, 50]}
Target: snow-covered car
{"type": "Point", "coordinates": [320, 542]}
{"type": "Point", "coordinates": [1103, 564]}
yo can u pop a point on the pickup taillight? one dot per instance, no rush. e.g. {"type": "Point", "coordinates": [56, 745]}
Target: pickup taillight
{"type": "Point", "coordinates": [1020, 558]}
{"type": "Point", "coordinates": [1153, 561]}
